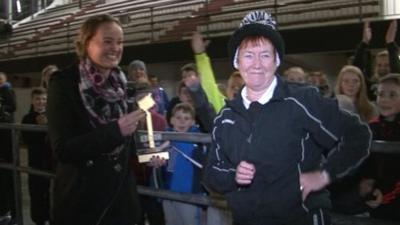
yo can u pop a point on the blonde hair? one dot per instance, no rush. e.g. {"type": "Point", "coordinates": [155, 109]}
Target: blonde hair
{"type": "Point", "coordinates": [364, 107]}
{"type": "Point", "coordinates": [235, 77]}
{"type": "Point", "coordinates": [46, 74]}
{"type": "Point", "coordinates": [294, 69]}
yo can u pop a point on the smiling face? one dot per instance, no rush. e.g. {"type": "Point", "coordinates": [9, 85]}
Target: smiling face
{"type": "Point", "coordinates": [350, 84]}
{"type": "Point", "coordinates": [105, 47]}
{"type": "Point", "coordinates": [182, 121]}
{"type": "Point", "coordinates": [388, 100]}
{"type": "Point", "coordinates": [39, 103]}
{"type": "Point", "coordinates": [256, 63]}
{"type": "Point", "coordinates": [382, 66]}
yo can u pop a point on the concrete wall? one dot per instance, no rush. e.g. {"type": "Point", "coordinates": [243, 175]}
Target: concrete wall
{"type": "Point", "coordinates": [23, 97]}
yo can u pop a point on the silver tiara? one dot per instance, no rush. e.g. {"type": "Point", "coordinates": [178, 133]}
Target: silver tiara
{"type": "Point", "coordinates": [260, 17]}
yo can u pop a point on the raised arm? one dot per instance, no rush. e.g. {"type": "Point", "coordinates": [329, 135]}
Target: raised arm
{"type": "Point", "coordinates": [362, 56]}
{"type": "Point", "coordinates": [392, 47]}
{"type": "Point", "coordinates": [206, 73]}
{"type": "Point", "coordinates": [204, 111]}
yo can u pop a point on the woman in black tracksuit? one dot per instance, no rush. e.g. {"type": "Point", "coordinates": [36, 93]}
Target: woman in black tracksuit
{"type": "Point", "coordinates": [277, 145]}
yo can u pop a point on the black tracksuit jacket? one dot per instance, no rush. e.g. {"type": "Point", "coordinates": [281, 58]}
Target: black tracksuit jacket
{"type": "Point", "coordinates": [296, 131]}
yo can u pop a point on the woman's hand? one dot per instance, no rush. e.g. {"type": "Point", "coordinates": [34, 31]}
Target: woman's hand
{"type": "Point", "coordinates": [245, 173]}
{"type": "Point", "coordinates": [157, 162]}
{"type": "Point", "coordinates": [129, 122]}
{"type": "Point", "coordinates": [313, 181]}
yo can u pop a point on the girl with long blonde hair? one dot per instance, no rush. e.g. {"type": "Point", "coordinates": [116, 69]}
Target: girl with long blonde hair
{"type": "Point", "coordinates": [350, 82]}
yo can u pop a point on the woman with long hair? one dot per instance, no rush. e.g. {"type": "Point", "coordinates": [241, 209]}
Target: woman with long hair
{"type": "Point", "coordinates": [90, 120]}
{"type": "Point", "coordinates": [350, 82]}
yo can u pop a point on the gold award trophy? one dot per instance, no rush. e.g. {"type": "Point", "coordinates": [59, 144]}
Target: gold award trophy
{"type": "Point", "coordinates": [144, 155]}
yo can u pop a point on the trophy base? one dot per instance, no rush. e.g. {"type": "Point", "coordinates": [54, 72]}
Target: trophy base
{"type": "Point", "coordinates": [142, 158]}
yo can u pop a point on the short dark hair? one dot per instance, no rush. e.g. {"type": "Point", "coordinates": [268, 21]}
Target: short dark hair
{"type": "Point", "coordinates": [38, 91]}
{"type": "Point", "coordinates": [185, 107]}
{"type": "Point", "coordinates": [390, 78]}
{"type": "Point", "coordinates": [189, 67]}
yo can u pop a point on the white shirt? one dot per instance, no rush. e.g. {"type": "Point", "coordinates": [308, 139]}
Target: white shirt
{"type": "Point", "coordinates": [264, 98]}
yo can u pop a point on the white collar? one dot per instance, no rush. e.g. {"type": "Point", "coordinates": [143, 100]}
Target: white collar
{"type": "Point", "coordinates": [264, 98]}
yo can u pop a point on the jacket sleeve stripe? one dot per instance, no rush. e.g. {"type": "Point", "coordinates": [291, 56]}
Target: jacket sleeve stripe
{"type": "Point", "coordinates": [217, 148]}
{"type": "Point", "coordinates": [313, 118]}
{"type": "Point", "coordinates": [367, 150]}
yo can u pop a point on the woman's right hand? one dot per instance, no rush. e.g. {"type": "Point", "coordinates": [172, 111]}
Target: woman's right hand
{"type": "Point", "coordinates": [245, 172]}
{"type": "Point", "coordinates": [129, 122]}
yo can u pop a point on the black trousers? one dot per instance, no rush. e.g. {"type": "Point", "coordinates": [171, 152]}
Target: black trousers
{"type": "Point", "coordinates": [40, 199]}
{"type": "Point", "coordinates": [39, 187]}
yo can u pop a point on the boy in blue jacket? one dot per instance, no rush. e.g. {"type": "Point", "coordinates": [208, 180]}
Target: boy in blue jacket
{"type": "Point", "coordinates": [183, 168]}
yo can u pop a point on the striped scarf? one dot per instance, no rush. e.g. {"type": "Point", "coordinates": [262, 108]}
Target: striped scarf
{"type": "Point", "coordinates": [104, 99]}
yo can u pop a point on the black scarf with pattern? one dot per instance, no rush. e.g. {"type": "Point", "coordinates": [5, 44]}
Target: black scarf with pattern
{"type": "Point", "coordinates": [104, 98]}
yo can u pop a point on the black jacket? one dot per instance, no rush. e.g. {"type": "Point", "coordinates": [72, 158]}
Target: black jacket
{"type": "Point", "coordinates": [89, 184]}
{"type": "Point", "coordinates": [8, 104]}
{"type": "Point", "coordinates": [290, 134]}
{"type": "Point", "coordinates": [384, 168]}
{"type": "Point", "coordinates": [7, 109]}
{"type": "Point", "coordinates": [39, 152]}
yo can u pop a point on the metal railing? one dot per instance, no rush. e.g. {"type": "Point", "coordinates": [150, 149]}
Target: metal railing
{"type": "Point", "coordinates": [17, 169]}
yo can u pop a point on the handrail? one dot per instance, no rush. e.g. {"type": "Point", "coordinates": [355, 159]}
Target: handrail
{"type": "Point", "coordinates": [379, 146]}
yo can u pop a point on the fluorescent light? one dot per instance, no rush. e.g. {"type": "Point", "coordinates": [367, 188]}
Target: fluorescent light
{"type": "Point", "coordinates": [18, 6]}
